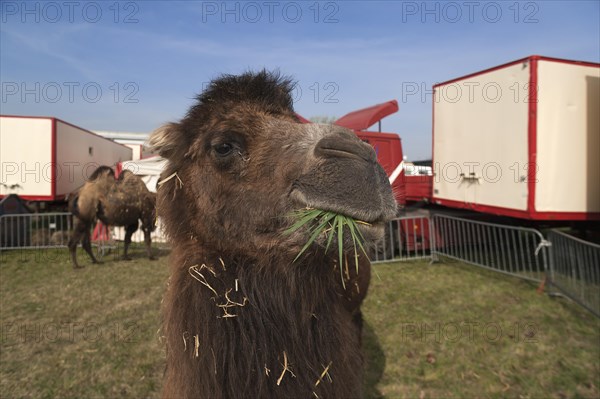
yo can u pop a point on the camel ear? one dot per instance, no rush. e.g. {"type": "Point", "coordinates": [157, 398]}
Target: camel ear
{"type": "Point", "coordinates": [165, 139]}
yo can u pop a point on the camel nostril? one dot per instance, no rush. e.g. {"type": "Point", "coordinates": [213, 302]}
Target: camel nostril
{"type": "Point", "coordinates": [342, 146]}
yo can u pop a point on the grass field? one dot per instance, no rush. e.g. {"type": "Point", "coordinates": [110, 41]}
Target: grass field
{"type": "Point", "coordinates": [443, 330]}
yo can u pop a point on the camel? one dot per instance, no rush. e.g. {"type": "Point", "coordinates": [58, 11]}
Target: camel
{"type": "Point", "coordinates": [116, 202]}
{"type": "Point", "coordinates": [243, 317]}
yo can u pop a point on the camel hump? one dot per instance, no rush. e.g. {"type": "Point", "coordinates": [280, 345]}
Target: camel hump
{"type": "Point", "coordinates": [131, 183]}
{"type": "Point", "coordinates": [127, 175]}
{"type": "Point", "coordinates": [102, 171]}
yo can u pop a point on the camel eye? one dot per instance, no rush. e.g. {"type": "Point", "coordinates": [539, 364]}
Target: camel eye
{"type": "Point", "coordinates": [223, 149]}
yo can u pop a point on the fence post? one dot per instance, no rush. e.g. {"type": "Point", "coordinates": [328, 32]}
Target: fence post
{"type": "Point", "coordinates": [432, 240]}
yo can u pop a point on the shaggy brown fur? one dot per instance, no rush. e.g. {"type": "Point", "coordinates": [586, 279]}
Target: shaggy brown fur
{"type": "Point", "coordinates": [120, 202]}
{"type": "Point", "coordinates": [241, 318]}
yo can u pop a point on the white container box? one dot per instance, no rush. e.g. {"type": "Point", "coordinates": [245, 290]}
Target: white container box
{"type": "Point", "coordinates": [45, 159]}
{"type": "Point", "coordinates": [521, 140]}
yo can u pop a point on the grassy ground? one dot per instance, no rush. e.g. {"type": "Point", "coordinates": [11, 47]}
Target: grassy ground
{"type": "Point", "coordinates": [89, 333]}
{"type": "Point", "coordinates": [454, 330]}
{"type": "Point", "coordinates": [443, 330]}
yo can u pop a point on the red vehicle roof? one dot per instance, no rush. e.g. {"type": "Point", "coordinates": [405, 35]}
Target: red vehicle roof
{"type": "Point", "coordinates": [366, 117]}
{"type": "Point", "coordinates": [302, 119]}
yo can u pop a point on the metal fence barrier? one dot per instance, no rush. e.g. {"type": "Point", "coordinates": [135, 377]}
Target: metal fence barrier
{"type": "Point", "coordinates": [35, 230]}
{"type": "Point", "coordinates": [575, 269]}
{"type": "Point", "coordinates": [517, 251]}
{"type": "Point", "coordinates": [406, 238]}
{"type": "Point", "coordinates": [51, 230]}
{"type": "Point", "coordinates": [571, 265]}
{"type": "Point", "coordinates": [158, 235]}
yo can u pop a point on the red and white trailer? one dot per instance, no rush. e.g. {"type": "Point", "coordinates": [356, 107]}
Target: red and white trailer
{"type": "Point", "coordinates": [520, 140]}
{"type": "Point", "coordinates": [45, 158]}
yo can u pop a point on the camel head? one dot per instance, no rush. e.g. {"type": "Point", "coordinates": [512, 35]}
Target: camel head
{"type": "Point", "coordinates": [240, 163]}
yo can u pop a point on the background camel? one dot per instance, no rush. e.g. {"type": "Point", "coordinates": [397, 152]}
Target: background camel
{"type": "Point", "coordinates": [241, 317]}
{"type": "Point", "coordinates": [120, 202]}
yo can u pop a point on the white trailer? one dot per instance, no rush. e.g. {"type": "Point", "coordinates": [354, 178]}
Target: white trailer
{"type": "Point", "coordinates": [134, 140]}
{"type": "Point", "coordinates": [521, 140]}
{"type": "Point", "coordinates": [45, 158]}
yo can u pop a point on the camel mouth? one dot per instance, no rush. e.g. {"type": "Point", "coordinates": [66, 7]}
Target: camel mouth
{"type": "Point", "coordinates": [367, 226]}
{"type": "Point", "coordinates": [323, 227]}
{"type": "Point", "coordinates": [365, 217]}
{"type": "Point", "coordinates": [361, 223]}
{"type": "Point", "coordinates": [369, 230]}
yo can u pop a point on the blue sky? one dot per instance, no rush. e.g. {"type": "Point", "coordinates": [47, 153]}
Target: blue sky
{"type": "Point", "coordinates": [133, 65]}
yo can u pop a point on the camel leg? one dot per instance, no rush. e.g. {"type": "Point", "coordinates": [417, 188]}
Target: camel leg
{"type": "Point", "coordinates": [148, 240]}
{"type": "Point", "coordinates": [129, 230]}
{"type": "Point", "coordinates": [87, 245]}
{"type": "Point", "coordinates": [78, 232]}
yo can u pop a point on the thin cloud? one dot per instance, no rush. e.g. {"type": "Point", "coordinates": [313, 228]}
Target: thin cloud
{"type": "Point", "coordinates": [369, 55]}
{"type": "Point", "coordinates": [53, 45]}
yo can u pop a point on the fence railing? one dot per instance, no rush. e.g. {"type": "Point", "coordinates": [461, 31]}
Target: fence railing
{"type": "Point", "coordinates": [406, 238]}
{"type": "Point", "coordinates": [49, 230]}
{"type": "Point", "coordinates": [158, 235]}
{"type": "Point", "coordinates": [36, 230]}
{"type": "Point", "coordinates": [575, 269]}
{"type": "Point", "coordinates": [568, 263]}
{"type": "Point", "coordinates": [517, 251]}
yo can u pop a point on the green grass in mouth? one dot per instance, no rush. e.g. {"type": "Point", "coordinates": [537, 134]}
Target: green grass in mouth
{"type": "Point", "coordinates": [318, 221]}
